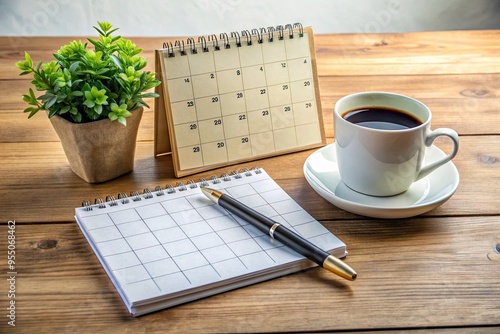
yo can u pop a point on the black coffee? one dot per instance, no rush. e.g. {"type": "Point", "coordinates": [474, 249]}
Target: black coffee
{"type": "Point", "coordinates": [382, 118]}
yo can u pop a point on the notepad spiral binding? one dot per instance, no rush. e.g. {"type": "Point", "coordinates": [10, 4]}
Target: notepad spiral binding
{"type": "Point", "coordinates": [256, 34]}
{"type": "Point", "coordinates": [169, 189]}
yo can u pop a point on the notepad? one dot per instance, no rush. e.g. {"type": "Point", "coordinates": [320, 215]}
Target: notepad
{"type": "Point", "coordinates": [237, 97]}
{"type": "Point", "coordinates": [173, 245]}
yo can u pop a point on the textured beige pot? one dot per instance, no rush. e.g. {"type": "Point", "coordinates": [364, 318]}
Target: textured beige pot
{"type": "Point", "coordinates": [99, 151]}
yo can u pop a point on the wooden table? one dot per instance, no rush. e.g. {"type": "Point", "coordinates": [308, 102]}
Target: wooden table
{"type": "Point", "coordinates": [437, 271]}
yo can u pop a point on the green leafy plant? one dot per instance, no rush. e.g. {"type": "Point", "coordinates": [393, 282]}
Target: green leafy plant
{"type": "Point", "coordinates": [85, 85]}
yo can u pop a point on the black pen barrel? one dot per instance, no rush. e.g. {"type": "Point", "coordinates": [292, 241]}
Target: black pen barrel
{"type": "Point", "coordinates": [258, 220]}
{"type": "Point", "coordinates": [300, 245]}
{"type": "Point", "coordinates": [280, 233]}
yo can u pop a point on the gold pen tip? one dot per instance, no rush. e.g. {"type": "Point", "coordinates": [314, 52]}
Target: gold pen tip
{"type": "Point", "coordinates": [340, 268]}
{"type": "Point", "coordinates": [212, 194]}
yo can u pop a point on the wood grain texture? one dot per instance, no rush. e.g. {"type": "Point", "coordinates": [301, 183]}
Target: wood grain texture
{"type": "Point", "coordinates": [468, 103]}
{"type": "Point", "coordinates": [435, 272]}
{"type": "Point", "coordinates": [448, 278]}
{"type": "Point", "coordinates": [43, 178]}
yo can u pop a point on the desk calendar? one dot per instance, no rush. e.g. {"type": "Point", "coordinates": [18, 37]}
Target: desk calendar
{"type": "Point", "coordinates": [237, 97]}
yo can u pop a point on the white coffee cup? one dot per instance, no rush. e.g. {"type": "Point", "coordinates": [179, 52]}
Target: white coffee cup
{"type": "Point", "coordinates": [380, 162]}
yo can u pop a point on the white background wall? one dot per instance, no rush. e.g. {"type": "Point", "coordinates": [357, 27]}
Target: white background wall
{"type": "Point", "coordinates": [204, 17]}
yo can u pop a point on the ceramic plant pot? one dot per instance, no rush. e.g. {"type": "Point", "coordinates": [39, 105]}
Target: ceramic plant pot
{"type": "Point", "coordinates": [99, 151]}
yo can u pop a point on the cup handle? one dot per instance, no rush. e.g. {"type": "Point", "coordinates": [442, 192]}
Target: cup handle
{"type": "Point", "coordinates": [430, 137]}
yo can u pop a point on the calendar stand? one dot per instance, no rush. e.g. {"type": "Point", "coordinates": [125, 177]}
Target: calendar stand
{"type": "Point", "coordinates": [239, 98]}
{"type": "Point", "coordinates": [161, 135]}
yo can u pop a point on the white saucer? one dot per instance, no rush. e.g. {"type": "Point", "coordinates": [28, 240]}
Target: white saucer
{"type": "Point", "coordinates": [321, 171]}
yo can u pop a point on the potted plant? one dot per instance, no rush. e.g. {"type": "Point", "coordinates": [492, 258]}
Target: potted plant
{"type": "Point", "coordinates": [94, 99]}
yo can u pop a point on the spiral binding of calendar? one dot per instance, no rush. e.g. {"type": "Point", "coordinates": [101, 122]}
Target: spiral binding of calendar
{"type": "Point", "coordinates": [169, 189]}
{"type": "Point", "coordinates": [234, 38]}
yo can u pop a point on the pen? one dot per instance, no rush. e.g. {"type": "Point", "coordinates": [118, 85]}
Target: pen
{"type": "Point", "coordinates": [282, 234]}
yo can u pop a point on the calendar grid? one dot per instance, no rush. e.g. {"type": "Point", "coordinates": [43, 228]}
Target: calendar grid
{"type": "Point", "coordinates": [267, 95]}
{"type": "Point", "coordinates": [196, 115]}
{"type": "Point", "coordinates": [239, 103]}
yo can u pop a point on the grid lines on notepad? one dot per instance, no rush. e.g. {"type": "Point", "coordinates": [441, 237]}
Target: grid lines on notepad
{"type": "Point", "coordinates": [175, 244]}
